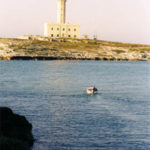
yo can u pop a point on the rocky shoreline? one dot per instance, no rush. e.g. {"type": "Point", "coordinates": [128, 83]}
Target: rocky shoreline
{"type": "Point", "coordinates": [46, 58]}
{"type": "Point", "coordinates": [67, 49]}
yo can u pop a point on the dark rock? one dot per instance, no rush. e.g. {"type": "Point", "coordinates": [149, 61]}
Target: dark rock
{"type": "Point", "coordinates": [97, 58]}
{"type": "Point", "coordinates": [15, 131]}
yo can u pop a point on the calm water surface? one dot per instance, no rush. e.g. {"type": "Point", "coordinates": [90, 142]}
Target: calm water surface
{"type": "Point", "coordinates": [51, 94]}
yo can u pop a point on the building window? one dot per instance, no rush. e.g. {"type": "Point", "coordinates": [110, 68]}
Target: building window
{"type": "Point", "coordinates": [69, 29]}
{"type": "Point", "coordinates": [75, 29]}
{"type": "Point", "coordinates": [75, 36]}
{"type": "Point", "coordinates": [52, 28]}
{"type": "Point", "coordinates": [57, 35]}
{"type": "Point", "coordinates": [52, 35]}
{"type": "Point", "coordinates": [63, 35]}
{"type": "Point", "coordinates": [69, 35]}
{"type": "Point", "coordinates": [63, 29]}
{"type": "Point", "coordinates": [57, 29]}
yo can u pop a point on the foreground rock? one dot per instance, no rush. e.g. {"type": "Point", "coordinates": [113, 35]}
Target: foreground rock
{"type": "Point", "coordinates": [15, 131]}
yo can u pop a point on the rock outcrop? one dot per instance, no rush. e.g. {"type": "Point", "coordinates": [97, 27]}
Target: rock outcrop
{"type": "Point", "coordinates": [15, 131]}
{"type": "Point", "coordinates": [38, 48]}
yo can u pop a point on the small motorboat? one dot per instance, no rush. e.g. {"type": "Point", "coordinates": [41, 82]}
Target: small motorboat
{"type": "Point", "coordinates": [91, 90]}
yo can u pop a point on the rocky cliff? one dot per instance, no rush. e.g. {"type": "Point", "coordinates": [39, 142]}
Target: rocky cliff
{"type": "Point", "coordinates": [72, 49]}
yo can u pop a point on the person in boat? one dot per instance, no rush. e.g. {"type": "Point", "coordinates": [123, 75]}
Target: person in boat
{"type": "Point", "coordinates": [95, 89]}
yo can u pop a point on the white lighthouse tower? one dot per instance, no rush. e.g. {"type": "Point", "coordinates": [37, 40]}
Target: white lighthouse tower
{"type": "Point", "coordinates": [61, 29]}
{"type": "Point", "coordinates": [61, 11]}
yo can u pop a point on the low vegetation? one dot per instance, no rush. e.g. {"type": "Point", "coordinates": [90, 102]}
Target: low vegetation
{"type": "Point", "coordinates": [76, 49]}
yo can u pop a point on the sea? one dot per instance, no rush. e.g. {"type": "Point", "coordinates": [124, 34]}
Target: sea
{"type": "Point", "coordinates": [52, 96]}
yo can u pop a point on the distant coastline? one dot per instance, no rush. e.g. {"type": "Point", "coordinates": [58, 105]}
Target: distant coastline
{"type": "Point", "coordinates": [38, 48]}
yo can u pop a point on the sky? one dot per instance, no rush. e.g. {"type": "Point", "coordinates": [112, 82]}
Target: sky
{"type": "Point", "coordinates": [112, 20]}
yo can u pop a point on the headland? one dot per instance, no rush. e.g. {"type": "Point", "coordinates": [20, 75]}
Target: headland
{"type": "Point", "coordinates": [42, 48]}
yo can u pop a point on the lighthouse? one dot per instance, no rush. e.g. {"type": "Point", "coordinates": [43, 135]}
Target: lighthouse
{"type": "Point", "coordinates": [61, 29]}
{"type": "Point", "coordinates": [61, 11]}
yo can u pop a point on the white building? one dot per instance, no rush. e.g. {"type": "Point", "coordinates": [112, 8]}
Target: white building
{"type": "Point", "coordinates": [61, 29]}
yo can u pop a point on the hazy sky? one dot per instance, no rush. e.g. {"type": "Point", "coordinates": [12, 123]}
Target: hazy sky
{"type": "Point", "coordinates": [113, 20]}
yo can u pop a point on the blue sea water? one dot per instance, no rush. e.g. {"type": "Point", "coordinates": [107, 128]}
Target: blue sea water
{"type": "Point", "coordinates": [52, 96]}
